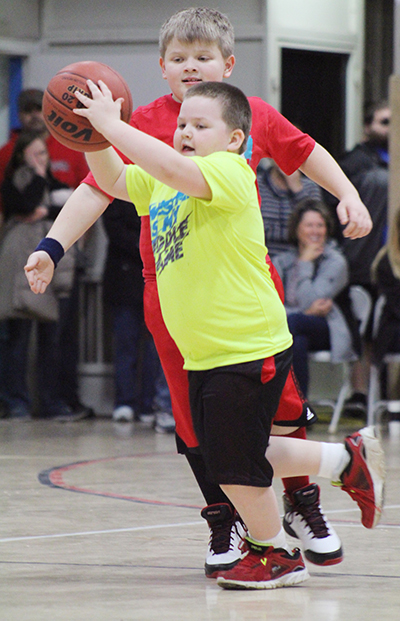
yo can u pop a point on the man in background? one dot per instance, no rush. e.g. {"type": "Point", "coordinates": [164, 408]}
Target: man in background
{"type": "Point", "coordinates": [367, 166]}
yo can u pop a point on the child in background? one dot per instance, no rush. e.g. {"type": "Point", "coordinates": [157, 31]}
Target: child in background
{"type": "Point", "coordinates": [197, 45]}
{"type": "Point", "coordinates": [235, 339]}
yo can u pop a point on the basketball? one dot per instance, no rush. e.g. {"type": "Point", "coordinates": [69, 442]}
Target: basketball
{"type": "Point", "coordinates": [76, 132]}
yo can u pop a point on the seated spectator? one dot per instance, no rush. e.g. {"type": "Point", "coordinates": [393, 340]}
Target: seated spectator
{"type": "Point", "coordinates": [314, 273]}
{"type": "Point", "coordinates": [279, 194]}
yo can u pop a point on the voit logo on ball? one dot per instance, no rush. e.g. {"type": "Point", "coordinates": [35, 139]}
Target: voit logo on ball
{"type": "Point", "coordinates": [59, 122]}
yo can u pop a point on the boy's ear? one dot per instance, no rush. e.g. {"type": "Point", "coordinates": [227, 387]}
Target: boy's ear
{"type": "Point", "coordinates": [162, 65]}
{"type": "Point", "coordinates": [237, 138]}
{"type": "Point", "coordinates": [229, 64]}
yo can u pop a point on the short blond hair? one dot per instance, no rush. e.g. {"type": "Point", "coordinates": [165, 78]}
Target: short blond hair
{"type": "Point", "coordinates": [198, 24]}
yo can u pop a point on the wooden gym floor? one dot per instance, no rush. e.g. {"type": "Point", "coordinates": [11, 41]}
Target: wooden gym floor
{"type": "Point", "coordinates": [100, 522]}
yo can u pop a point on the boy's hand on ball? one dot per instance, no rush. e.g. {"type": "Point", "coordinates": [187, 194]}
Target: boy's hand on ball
{"type": "Point", "coordinates": [101, 110]}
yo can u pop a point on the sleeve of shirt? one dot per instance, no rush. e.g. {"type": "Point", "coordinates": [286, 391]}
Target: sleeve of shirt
{"type": "Point", "coordinates": [140, 186]}
{"type": "Point", "coordinates": [231, 180]}
{"type": "Point", "coordinates": [280, 140]}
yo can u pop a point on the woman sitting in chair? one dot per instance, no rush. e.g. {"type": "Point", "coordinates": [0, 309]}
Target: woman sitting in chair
{"type": "Point", "coordinates": [315, 279]}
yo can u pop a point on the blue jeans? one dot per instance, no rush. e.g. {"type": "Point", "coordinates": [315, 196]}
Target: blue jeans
{"type": "Point", "coordinates": [16, 353]}
{"type": "Point", "coordinates": [68, 330]}
{"type": "Point", "coordinates": [310, 333]}
{"type": "Point", "coordinates": [136, 361]}
{"type": "Point", "coordinates": [162, 399]}
{"type": "Point", "coordinates": [3, 343]}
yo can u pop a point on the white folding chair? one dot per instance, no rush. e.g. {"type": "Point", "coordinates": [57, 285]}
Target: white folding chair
{"type": "Point", "coordinates": [361, 303]}
{"type": "Point", "coordinates": [375, 403]}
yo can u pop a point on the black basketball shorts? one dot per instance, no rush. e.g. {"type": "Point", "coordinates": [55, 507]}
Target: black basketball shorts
{"type": "Point", "coordinates": [232, 409]}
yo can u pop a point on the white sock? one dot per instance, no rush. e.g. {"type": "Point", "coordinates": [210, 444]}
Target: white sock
{"type": "Point", "coordinates": [334, 459]}
{"type": "Point", "coordinates": [279, 541]}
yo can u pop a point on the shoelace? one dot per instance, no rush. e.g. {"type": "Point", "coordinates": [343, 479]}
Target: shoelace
{"type": "Point", "coordinates": [221, 537]}
{"type": "Point", "coordinates": [314, 519]}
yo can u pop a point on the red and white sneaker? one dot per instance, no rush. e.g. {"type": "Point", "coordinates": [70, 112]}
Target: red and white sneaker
{"type": "Point", "coordinates": [265, 568]}
{"type": "Point", "coordinates": [363, 478]}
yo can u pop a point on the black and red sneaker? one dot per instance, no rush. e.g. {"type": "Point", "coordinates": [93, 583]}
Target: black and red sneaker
{"type": "Point", "coordinates": [363, 478]}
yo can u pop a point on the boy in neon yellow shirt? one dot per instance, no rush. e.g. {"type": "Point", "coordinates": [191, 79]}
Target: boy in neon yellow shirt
{"type": "Point", "coordinates": [202, 199]}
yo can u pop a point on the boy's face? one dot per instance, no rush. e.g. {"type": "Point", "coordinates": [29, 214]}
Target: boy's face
{"type": "Point", "coordinates": [186, 64]}
{"type": "Point", "coordinates": [201, 129]}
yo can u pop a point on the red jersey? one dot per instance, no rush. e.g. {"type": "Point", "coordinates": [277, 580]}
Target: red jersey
{"type": "Point", "coordinates": [272, 136]}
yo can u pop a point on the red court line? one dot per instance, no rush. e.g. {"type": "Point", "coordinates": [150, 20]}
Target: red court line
{"type": "Point", "coordinates": [54, 477]}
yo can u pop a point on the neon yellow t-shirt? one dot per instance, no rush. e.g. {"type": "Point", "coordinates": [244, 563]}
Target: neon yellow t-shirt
{"type": "Point", "coordinates": [216, 293]}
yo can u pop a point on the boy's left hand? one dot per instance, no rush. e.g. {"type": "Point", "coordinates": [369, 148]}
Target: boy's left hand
{"type": "Point", "coordinates": [101, 110]}
{"type": "Point", "coordinates": [353, 214]}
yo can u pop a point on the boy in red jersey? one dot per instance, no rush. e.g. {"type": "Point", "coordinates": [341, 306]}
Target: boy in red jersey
{"type": "Point", "coordinates": [196, 45]}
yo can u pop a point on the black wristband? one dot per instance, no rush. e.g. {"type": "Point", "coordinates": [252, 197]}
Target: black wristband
{"type": "Point", "coordinates": [53, 249]}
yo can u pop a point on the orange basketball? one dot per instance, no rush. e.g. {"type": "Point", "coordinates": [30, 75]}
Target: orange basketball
{"type": "Point", "coordinates": [59, 101]}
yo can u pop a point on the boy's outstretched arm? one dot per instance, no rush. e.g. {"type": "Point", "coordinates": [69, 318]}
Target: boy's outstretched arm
{"type": "Point", "coordinates": [324, 170]}
{"type": "Point", "coordinates": [155, 157]}
{"type": "Point", "coordinates": [82, 209]}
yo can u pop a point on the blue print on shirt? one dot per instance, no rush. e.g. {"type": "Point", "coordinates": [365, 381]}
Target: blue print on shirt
{"type": "Point", "coordinates": [166, 235]}
{"type": "Point", "coordinates": [249, 149]}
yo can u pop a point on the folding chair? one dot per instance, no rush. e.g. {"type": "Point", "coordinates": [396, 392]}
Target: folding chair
{"type": "Point", "coordinates": [361, 303]}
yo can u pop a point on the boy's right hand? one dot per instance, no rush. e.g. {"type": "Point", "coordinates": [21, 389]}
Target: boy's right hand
{"type": "Point", "coordinates": [39, 271]}
{"type": "Point", "coordinates": [101, 109]}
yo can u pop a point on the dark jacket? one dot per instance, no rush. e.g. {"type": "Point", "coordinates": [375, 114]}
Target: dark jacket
{"type": "Point", "coordinates": [122, 277]}
{"type": "Point", "coordinates": [26, 190]}
{"type": "Point", "coordinates": [360, 159]}
{"type": "Point", "coordinates": [369, 174]}
{"type": "Point", "coordinates": [389, 325]}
